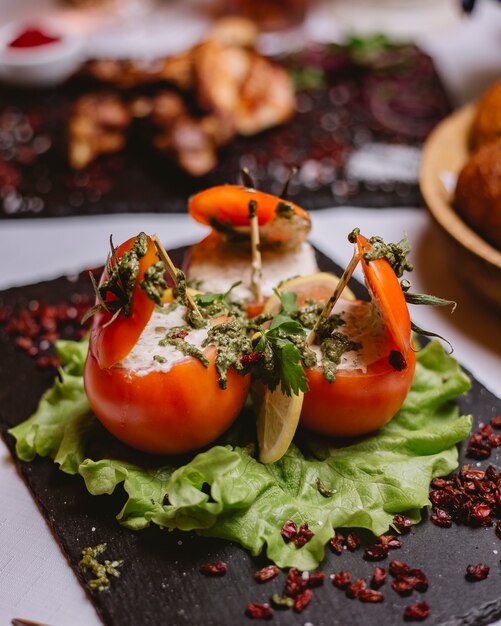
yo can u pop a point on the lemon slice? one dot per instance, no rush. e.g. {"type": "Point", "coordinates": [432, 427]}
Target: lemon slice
{"type": "Point", "coordinates": [277, 423]}
{"type": "Point", "coordinates": [319, 286]}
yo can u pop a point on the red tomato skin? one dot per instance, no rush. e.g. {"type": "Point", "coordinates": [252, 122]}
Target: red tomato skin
{"type": "Point", "coordinates": [170, 412]}
{"type": "Point", "coordinates": [356, 403]}
{"type": "Point", "coordinates": [230, 204]}
{"type": "Point", "coordinates": [388, 296]}
{"type": "Point", "coordinates": [112, 343]}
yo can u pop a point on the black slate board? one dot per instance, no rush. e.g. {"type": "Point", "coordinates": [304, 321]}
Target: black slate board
{"type": "Point", "coordinates": [396, 97]}
{"type": "Point", "coordinates": [160, 582]}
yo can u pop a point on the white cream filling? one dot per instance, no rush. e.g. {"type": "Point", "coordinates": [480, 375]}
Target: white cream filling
{"type": "Point", "coordinates": [140, 359]}
{"type": "Point", "coordinates": [217, 267]}
{"type": "Point", "coordinates": [364, 325]}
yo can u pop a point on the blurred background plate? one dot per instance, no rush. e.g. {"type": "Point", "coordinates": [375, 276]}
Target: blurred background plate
{"type": "Point", "coordinates": [445, 153]}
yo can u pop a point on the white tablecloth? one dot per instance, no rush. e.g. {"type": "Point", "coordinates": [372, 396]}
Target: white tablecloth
{"type": "Point", "coordinates": [35, 580]}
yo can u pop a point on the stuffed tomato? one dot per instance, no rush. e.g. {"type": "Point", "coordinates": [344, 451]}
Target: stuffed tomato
{"type": "Point", "coordinates": [150, 375]}
{"type": "Point", "coordinates": [364, 362]}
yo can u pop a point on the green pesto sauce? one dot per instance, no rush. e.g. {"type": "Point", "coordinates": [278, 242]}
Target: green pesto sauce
{"type": "Point", "coordinates": [332, 349]}
{"type": "Point", "coordinates": [232, 341]}
{"type": "Point", "coordinates": [285, 210]}
{"type": "Point", "coordinates": [159, 358]}
{"type": "Point", "coordinates": [183, 346]}
{"type": "Point", "coordinates": [101, 571]}
{"type": "Point", "coordinates": [153, 283]}
{"type": "Point", "coordinates": [193, 317]}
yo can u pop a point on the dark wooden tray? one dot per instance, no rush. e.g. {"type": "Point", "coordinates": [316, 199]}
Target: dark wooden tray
{"type": "Point", "coordinates": [161, 584]}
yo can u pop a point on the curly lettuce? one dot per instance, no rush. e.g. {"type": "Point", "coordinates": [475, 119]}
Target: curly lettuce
{"type": "Point", "coordinates": [225, 492]}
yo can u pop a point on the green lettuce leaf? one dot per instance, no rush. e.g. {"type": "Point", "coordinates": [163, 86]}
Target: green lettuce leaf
{"type": "Point", "coordinates": [225, 492]}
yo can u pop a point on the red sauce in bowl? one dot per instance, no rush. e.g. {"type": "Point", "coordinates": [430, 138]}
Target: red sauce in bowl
{"type": "Point", "coordinates": [33, 38]}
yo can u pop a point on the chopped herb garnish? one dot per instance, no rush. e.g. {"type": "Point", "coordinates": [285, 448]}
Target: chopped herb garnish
{"type": "Point", "coordinates": [325, 491]}
{"type": "Point", "coordinates": [333, 348]}
{"type": "Point", "coordinates": [121, 278]}
{"type": "Point", "coordinates": [394, 253]}
{"type": "Point", "coordinates": [159, 359]}
{"type": "Point", "coordinates": [154, 283]}
{"type": "Point", "coordinates": [175, 337]}
{"type": "Point", "coordinates": [101, 571]}
{"type": "Point", "coordinates": [217, 304]}
{"type": "Point", "coordinates": [232, 343]}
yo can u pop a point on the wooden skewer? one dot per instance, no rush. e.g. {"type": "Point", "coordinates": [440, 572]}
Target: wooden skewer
{"type": "Point", "coordinates": [172, 270]}
{"type": "Point", "coordinates": [257, 269]}
{"type": "Point", "coordinates": [329, 305]}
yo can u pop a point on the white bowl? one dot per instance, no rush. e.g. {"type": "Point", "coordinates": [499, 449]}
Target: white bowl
{"type": "Point", "coordinates": [40, 66]}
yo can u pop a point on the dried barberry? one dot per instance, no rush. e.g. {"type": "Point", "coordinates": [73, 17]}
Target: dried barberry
{"type": "Point", "coordinates": [418, 579]}
{"type": "Point", "coordinates": [475, 573]}
{"type": "Point", "coordinates": [266, 573]}
{"type": "Point", "coordinates": [370, 595]}
{"type": "Point", "coordinates": [390, 541]}
{"type": "Point", "coordinates": [302, 600]}
{"type": "Point", "coordinates": [337, 543]}
{"type": "Point", "coordinates": [214, 569]}
{"type": "Point", "coordinates": [402, 523]}
{"type": "Point", "coordinates": [496, 421]}
{"type": "Point", "coordinates": [289, 531]}
{"type": "Point", "coordinates": [352, 541]}
{"type": "Point", "coordinates": [341, 580]}
{"type": "Point", "coordinates": [295, 582]}
{"type": "Point", "coordinates": [378, 577]}
{"type": "Point", "coordinates": [304, 534]}
{"type": "Point", "coordinates": [417, 612]}
{"type": "Point", "coordinates": [354, 589]}
{"type": "Point", "coordinates": [397, 568]}
{"type": "Point", "coordinates": [441, 518]}
{"type": "Point", "coordinates": [377, 552]}
{"type": "Point", "coordinates": [403, 586]}
{"type": "Point", "coordinates": [258, 611]}
{"type": "Point", "coordinates": [315, 579]}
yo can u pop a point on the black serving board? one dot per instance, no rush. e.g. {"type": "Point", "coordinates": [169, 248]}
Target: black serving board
{"type": "Point", "coordinates": [393, 97]}
{"type": "Point", "coordinates": [160, 581]}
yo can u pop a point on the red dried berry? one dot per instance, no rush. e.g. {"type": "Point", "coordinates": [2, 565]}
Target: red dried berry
{"type": "Point", "coordinates": [402, 524]}
{"type": "Point", "coordinates": [390, 541]}
{"type": "Point", "coordinates": [417, 612]}
{"type": "Point", "coordinates": [315, 579]}
{"type": "Point", "coordinates": [481, 514]}
{"type": "Point", "coordinates": [289, 531]}
{"type": "Point", "coordinates": [214, 569]}
{"type": "Point", "coordinates": [397, 568]}
{"type": "Point", "coordinates": [496, 421]}
{"type": "Point", "coordinates": [356, 587]}
{"type": "Point", "coordinates": [295, 582]}
{"type": "Point", "coordinates": [266, 573]}
{"type": "Point", "coordinates": [441, 518]}
{"type": "Point", "coordinates": [377, 552]}
{"type": "Point", "coordinates": [418, 579]}
{"type": "Point", "coordinates": [304, 534]}
{"type": "Point", "coordinates": [494, 440]}
{"type": "Point", "coordinates": [485, 430]}
{"type": "Point", "coordinates": [369, 595]}
{"type": "Point", "coordinates": [253, 357]}
{"type": "Point", "coordinates": [337, 543]}
{"type": "Point", "coordinates": [181, 334]}
{"type": "Point", "coordinates": [258, 611]}
{"type": "Point", "coordinates": [475, 573]}
{"type": "Point", "coordinates": [378, 577]}
{"type": "Point", "coordinates": [341, 580]}
{"type": "Point", "coordinates": [403, 586]}
{"type": "Point", "coordinates": [478, 451]}
{"type": "Point", "coordinates": [439, 483]}
{"type": "Point", "coordinates": [352, 542]}
{"type": "Point", "coordinates": [302, 600]}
